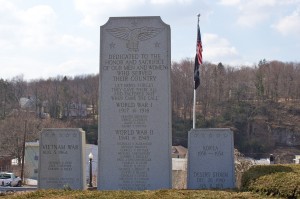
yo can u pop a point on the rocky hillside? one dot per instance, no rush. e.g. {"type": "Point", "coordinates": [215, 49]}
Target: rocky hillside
{"type": "Point", "coordinates": [269, 127]}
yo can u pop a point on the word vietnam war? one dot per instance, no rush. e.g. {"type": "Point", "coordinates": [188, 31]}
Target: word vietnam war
{"type": "Point", "coordinates": [58, 148]}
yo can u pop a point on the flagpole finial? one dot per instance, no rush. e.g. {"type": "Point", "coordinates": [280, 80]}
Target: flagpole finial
{"type": "Point", "coordinates": [198, 15]}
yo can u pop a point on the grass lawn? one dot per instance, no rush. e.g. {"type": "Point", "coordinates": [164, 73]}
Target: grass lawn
{"type": "Point", "coordinates": [159, 194]}
{"type": "Point", "coordinates": [266, 181]}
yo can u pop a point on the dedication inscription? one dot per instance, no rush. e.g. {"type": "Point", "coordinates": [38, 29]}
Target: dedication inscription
{"type": "Point", "coordinates": [135, 115]}
{"type": "Point", "coordinates": [61, 160]}
{"type": "Point", "coordinates": [211, 159]}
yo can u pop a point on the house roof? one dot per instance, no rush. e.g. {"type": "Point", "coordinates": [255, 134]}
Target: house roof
{"type": "Point", "coordinates": [179, 150]}
{"type": "Point", "coordinates": [32, 143]}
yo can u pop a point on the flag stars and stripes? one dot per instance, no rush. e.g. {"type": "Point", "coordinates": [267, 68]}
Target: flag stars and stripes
{"type": "Point", "coordinates": [198, 58]}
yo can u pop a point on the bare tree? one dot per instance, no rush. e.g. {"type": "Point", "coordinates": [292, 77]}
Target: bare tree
{"type": "Point", "coordinates": [12, 130]}
{"type": "Point", "coordinates": [182, 87]}
{"type": "Point", "coordinates": [8, 100]}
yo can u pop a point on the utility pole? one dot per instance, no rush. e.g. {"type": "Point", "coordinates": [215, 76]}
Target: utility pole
{"type": "Point", "coordinates": [23, 152]}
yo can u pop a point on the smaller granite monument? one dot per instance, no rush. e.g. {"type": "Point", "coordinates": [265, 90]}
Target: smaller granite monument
{"type": "Point", "coordinates": [61, 160]}
{"type": "Point", "coordinates": [210, 159]}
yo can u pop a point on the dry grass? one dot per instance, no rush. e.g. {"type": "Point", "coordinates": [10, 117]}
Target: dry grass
{"type": "Point", "coordinates": [158, 194]}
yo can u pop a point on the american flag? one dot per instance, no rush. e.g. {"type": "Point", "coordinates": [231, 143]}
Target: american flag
{"type": "Point", "coordinates": [198, 58]}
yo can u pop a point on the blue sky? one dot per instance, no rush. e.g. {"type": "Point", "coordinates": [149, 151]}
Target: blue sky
{"type": "Point", "coordinates": [41, 39]}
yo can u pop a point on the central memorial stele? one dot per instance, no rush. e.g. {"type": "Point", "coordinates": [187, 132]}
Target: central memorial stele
{"type": "Point", "coordinates": [135, 110]}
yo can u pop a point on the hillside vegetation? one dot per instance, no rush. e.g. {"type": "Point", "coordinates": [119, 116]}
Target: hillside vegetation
{"type": "Point", "coordinates": [261, 104]}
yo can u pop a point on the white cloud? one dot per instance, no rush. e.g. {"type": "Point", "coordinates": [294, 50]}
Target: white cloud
{"type": "Point", "coordinates": [78, 43]}
{"type": "Point", "coordinates": [6, 5]}
{"type": "Point", "coordinates": [31, 43]}
{"type": "Point", "coordinates": [164, 2]}
{"type": "Point", "coordinates": [217, 48]}
{"type": "Point", "coordinates": [38, 26]}
{"type": "Point", "coordinates": [94, 11]}
{"type": "Point", "coordinates": [6, 45]}
{"type": "Point", "coordinates": [21, 64]}
{"type": "Point", "coordinates": [254, 12]}
{"type": "Point", "coordinates": [75, 66]}
{"type": "Point", "coordinates": [289, 25]}
{"type": "Point", "coordinates": [33, 27]}
{"type": "Point", "coordinates": [288, 2]}
{"type": "Point", "coordinates": [251, 19]}
{"type": "Point", "coordinates": [35, 68]}
{"type": "Point", "coordinates": [8, 20]}
{"type": "Point", "coordinates": [37, 15]}
{"type": "Point", "coordinates": [229, 2]}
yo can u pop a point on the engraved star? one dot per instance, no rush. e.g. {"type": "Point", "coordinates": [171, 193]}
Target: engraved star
{"type": "Point", "coordinates": [67, 135]}
{"type": "Point", "coordinates": [112, 45]}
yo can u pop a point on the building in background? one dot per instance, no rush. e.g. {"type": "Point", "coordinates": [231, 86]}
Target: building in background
{"type": "Point", "coordinates": [31, 160]}
{"type": "Point", "coordinates": [179, 151]}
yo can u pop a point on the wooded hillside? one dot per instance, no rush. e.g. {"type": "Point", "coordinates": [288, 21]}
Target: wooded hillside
{"type": "Point", "coordinates": [261, 103]}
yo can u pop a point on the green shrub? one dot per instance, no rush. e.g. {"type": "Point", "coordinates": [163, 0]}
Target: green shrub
{"type": "Point", "coordinates": [275, 180]}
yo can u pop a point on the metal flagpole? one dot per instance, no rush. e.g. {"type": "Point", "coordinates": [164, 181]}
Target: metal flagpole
{"type": "Point", "coordinates": [194, 104]}
{"type": "Point", "coordinates": [194, 110]}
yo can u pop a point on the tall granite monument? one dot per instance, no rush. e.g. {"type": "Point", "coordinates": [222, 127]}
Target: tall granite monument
{"type": "Point", "coordinates": [135, 110]}
{"type": "Point", "coordinates": [61, 159]}
{"type": "Point", "coordinates": [210, 159]}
